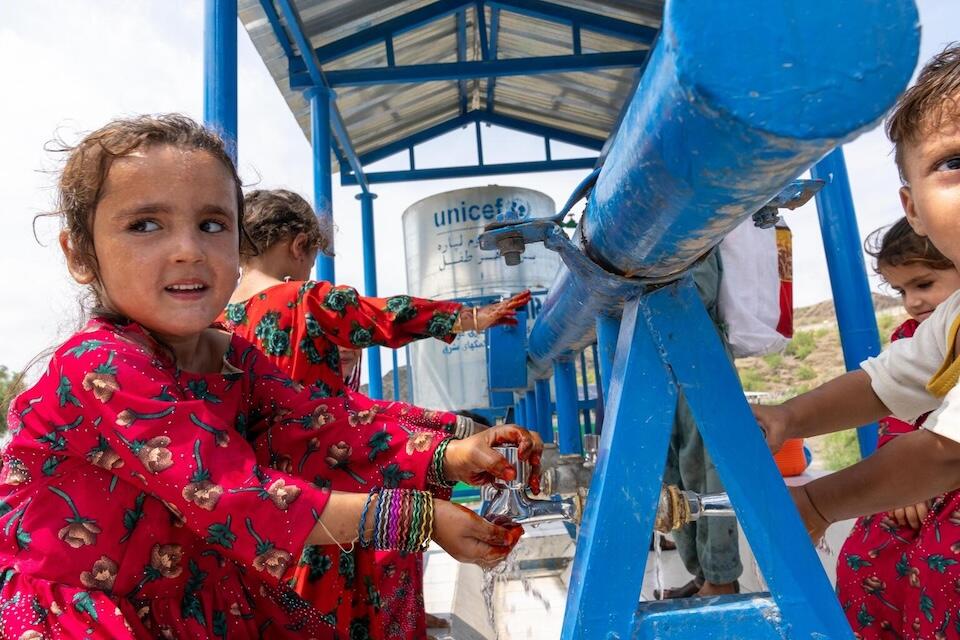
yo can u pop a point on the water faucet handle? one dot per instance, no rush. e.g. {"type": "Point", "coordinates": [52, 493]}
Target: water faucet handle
{"type": "Point", "coordinates": [512, 455]}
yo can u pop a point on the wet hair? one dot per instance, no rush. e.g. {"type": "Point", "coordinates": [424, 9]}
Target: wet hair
{"type": "Point", "coordinates": [922, 107]}
{"type": "Point", "coordinates": [898, 244]}
{"type": "Point", "coordinates": [271, 216]}
{"type": "Point", "coordinates": [80, 186]}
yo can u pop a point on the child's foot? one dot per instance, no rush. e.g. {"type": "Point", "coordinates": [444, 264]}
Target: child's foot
{"type": "Point", "coordinates": [436, 622]}
{"type": "Point", "coordinates": [711, 589]}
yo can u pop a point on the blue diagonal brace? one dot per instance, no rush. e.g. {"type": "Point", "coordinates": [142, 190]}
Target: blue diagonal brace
{"type": "Point", "coordinates": [638, 417]}
{"type": "Point", "coordinates": [677, 320]}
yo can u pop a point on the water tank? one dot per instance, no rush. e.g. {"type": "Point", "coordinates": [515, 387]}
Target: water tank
{"type": "Point", "coordinates": [444, 262]}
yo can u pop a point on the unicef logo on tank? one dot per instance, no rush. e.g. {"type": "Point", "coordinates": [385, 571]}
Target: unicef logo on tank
{"type": "Point", "coordinates": [518, 208]}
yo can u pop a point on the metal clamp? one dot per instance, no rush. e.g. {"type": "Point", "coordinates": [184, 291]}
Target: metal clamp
{"type": "Point", "coordinates": [793, 196]}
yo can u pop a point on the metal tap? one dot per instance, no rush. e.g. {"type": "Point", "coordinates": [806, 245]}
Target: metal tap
{"type": "Point", "coordinates": [510, 500]}
{"type": "Point", "coordinates": [678, 507]}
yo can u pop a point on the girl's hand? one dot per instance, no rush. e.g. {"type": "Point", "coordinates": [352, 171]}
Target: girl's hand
{"type": "Point", "coordinates": [816, 526]}
{"type": "Point", "coordinates": [474, 461]}
{"type": "Point", "coordinates": [774, 421]}
{"type": "Point", "coordinates": [913, 515]}
{"type": "Point", "coordinates": [469, 538]}
{"type": "Point", "coordinates": [491, 315]}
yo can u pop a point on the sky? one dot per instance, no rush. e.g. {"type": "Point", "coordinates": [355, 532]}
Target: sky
{"type": "Point", "coordinates": [70, 67]}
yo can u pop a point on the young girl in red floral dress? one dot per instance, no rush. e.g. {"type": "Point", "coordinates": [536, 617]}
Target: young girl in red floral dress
{"type": "Point", "coordinates": [132, 504]}
{"type": "Point", "coordinates": [894, 567]}
{"type": "Point", "coordinates": [301, 325]}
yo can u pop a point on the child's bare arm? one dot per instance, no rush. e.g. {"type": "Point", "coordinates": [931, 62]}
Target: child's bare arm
{"type": "Point", "coordinates": [908, 470]}
{"type": "Point", "coordinates": [844, 402]}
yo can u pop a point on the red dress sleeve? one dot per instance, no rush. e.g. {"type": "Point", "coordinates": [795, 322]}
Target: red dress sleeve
{"type": "Point", "coordinates": [354, 321]}
{"type": "Point", "coordinates": [345, 444]}
{"type": "Point", "coordinates": [111, 396]}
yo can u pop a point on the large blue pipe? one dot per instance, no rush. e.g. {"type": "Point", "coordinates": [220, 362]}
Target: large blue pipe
{"type": "Point", "coordinates": [848, 275]}
{"type": "Point", "coordinates": [220, 70]}
{"type": "Point", "coordinates": [738, 98]}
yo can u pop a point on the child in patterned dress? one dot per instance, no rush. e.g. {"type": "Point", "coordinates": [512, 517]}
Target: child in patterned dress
{"type": "Point", "coordinates": [911, 377]}
{"type": "Point", "coordinates": [886, 559]}
{"type": "Point", "coordinates": [133, 504]}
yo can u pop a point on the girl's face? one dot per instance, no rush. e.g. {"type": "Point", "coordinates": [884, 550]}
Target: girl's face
{"type": "Point", "coordinates": [166, 239]}
{"type": "Point", "coordinates": [920, 286]}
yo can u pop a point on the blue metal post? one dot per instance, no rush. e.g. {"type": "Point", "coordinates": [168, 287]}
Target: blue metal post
{"type": "Point", "coordinates": [608, 327]}
{"type": "Point", "coordinates": [370, 285]}
{"type": "Point", "coordinates": [569, 440]}
{"type": "Point", "coordinates": [322, 172]}
{"type": "Point", "coordinates": [677, 320]}
{"type": "Point", "coordinates": [406, 350]}
{"type": "Point", "coordinates": [641, 401]}
{"type": "Point", "coordinates": [396, 376]}
{"type": "Point", "coordinates": [587, 425]}
{"type": "Point", "coordinates": [544, 414]}
{"type": "Point", "coordinates": [519, 411]}
{"type": "Point", "coordinates": [220, 70]}
{"type": "Point", "coordinates": [531, 409]}
{"type": "Point", "coordinates": [848, 276]}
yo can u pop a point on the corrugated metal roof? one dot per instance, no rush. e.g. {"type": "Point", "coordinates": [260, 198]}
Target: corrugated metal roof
{"type": "Point", "coordinates": [586, 103]}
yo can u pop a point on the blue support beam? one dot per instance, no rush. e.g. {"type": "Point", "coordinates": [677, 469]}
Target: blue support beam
{"type": "Point", "coordinates": [743, 127]}
{"type": "Point", "coordinates": [468, 171]}
{"type": "Point", "coordinates": [482, 30]}
{"type": "Point", "coordinates": [577, 17]}
{"type": "Point", "coordinates": [315, 78]}
{"type": "Point", "coordinates": [530, 409]}
{"type": "Point", "coordinates": [544, 413]}
{"type": "Point", "coordinates": [370, 286]}
{"type": "Point", "coordinates": [462, 56]}
{"type": "Point", "coordinates": [380, 32]}
{"type": "Point", "coordinates": [406, 351]}
{"type": "Point", "coordinates": [569, 440]}
{"type": "Point", "coordinates": [460, 121]}
{"type": "Point", "coordinates": [608, 328]}
{"type": "Point", "coordinates": [677, 319]}
{"type": "Point", "coordinates": [396, 376]}
{"type": "Point", "coordinates": [322, 174]}
{"type": "Point", "coordinates": [458, 71]}
{"type": "Point", "coordinates": [220, 70]}
{"type": "Point", "coordinates": [605, 583]}
{"type": "Point", "coordinates": [494, 36]}
{"type": "Point", "coordinates": [519, 411]}
{"type": "Point", "coordinates": [852, 300]}
{"type": "Point", "coordinates": [587, 425]}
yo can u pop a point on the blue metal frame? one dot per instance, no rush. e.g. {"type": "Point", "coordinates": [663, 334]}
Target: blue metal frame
{"type": "Point", "coordinates": [530, 409]}
{"type": "Point", "coordinates": [311, 64]}
{"type": "Point", "coordinates": [494, 37]}
{"type": "Point", "coordinates": [569, 439]}
{"type": "Point", "coordinates": [461, 57]}
{"type": "Point", "coordinates": [544, 412]}
{"type": "Point", "coordinates": [483, 117]}
{"type": "Point", "coordinates": [459, 71]}
{"type": "Point", "coordinates": [608, 328]}
{"type": "Point", "coordinates": [749, 143]}
{"type": "Point", "coordinates": [852, 300]}
{"type": "Point", "coordinates": [389, 28]}
{"type": "Point", "coordinates": [577, 17]}
{"type": "Point", "coordinates": [370, 286]}
{"type": "Point", "coordinates": [220, 70]}
{"type": "Point", "coordinates": [319, 98]}
{"type": "Point", "coordinates": [381, 177]}
{"type": "Point", "coordinates": [587, 424]}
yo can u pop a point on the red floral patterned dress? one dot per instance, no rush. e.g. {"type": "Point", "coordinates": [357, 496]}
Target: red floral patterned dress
{"type": "Point", "coordinates": [900, 582]}
{"type": "Point", "coordinates": [132, 504]}
{"type": "Point", "coordinates": [299, 326]}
